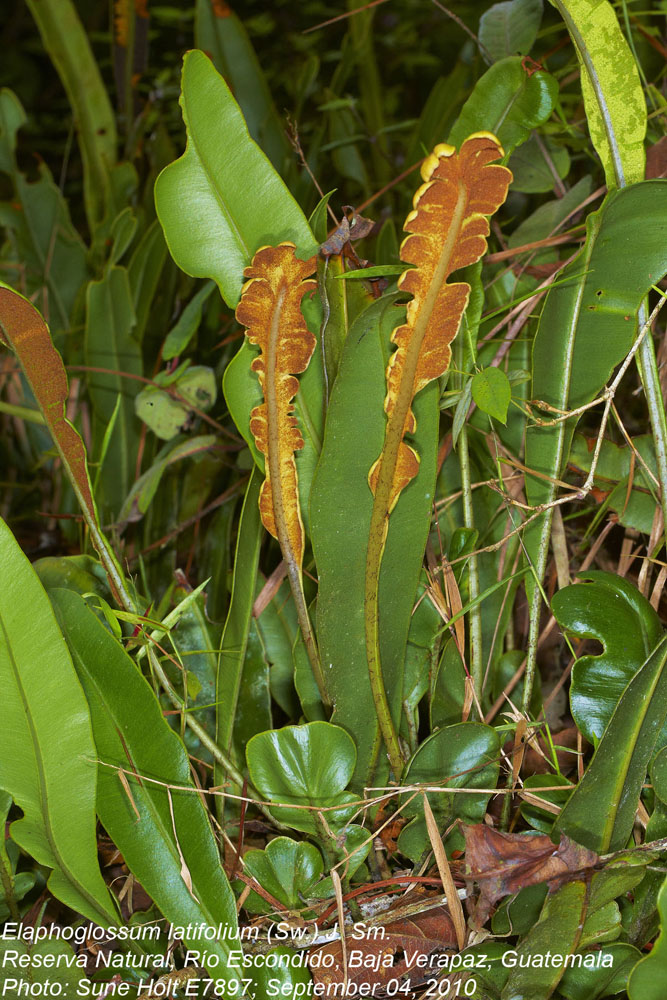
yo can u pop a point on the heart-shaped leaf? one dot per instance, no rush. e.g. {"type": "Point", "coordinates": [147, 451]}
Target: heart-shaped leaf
{"type": "Point", "coordinates": [308, 767]}
{"type": "Point", "coordinates": [286, 868]}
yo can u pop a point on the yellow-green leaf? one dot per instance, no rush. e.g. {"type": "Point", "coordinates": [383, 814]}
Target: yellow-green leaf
{"type": "Point", "coordinates": [613, 96]}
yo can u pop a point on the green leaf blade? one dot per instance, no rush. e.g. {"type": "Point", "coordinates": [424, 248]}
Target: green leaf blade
{"type": "Point", "coordinates": [613, 95]}
{"type": "Point", "coordinates": [222, 199]}
{"type": "Point", "coordinates": [492, 392]}
{"type": "Point", "coordinates": [508, 102]}
{"type": "Point", "coordinates": [48, 759]}
{"type": "Point", "coordinates": [601, 811]}
{"type": "Point", "coordinates": [171, 831]}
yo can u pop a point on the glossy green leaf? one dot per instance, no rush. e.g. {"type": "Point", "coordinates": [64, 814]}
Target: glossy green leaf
{"type": "Point", "coordinates": [421, 658]}
{"type": "Point", "coordinates": [659, 774]}
{"type": "Point", "coordinates": [47, 764]}
{"type": "Point", "coordinates": [185, 328]}
{"type": "Point", "coordinates": [510, 28]}
{"type": "Point", "coordinates": [459, 756]}
{"type": "Point", "coordinates": [352, 846]}
{"type": "Point", "coordinates": [588, 324]}
{"type": "Point", "coordinates": [122, 231]}
{"type": "Point", "coordinates": [319, 217]}
{"type": "Point", "coordinates": [194, 640]}
{"type": "Point", "coordinates": [492, 392]}
{"type": "Point", "coordinates": [447, 687]}
{"type": "Point", "coordinates": [340, 514]}
{"type": "Point", "coordinates": [253, 708]}
{"type": "Point", "coordinates": [304, 766]}
{"type": "Point", "coordinates": [618, 470]}
{"type": "Point", "coordinates": [611, 610]}
{"type": "Point", "coordinates": [508, 102]}
{"type": "Point", "coordinates": [613, 94]}
{"type": "Point", "coordinates": [601, 811]}
{"type": "Point", "coordinates": [82, 574]}
{"type": "Point", "coordinates": [169, 846]}
{"type": "Point", "coordinates": [220, 33]}
{"type": "Point", "coordinates": [519, 913]}
{"type": "Point", "coordinates": [217, 557]}
{"type": "Point", "coordinates": [591, 983]}
{"type": "Point", "coordinates": [536, 816]}
{"type": "Point", "coordinates": [287, 869]}
{"type": "Point", "coordinates": [222, 199]}
{"type": "Point", "coordinates": [647, 980]}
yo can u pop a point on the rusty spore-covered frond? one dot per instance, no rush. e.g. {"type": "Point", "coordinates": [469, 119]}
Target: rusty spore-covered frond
{"type": "Point", "coordinates": [448, 228]}
{"type": "Point", "coordinates": [447, 231]}
{"type": "Point", "coordinates": [270, 309]}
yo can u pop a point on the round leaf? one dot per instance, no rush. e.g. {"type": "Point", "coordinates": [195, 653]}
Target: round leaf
{"type": "Point", "coordinates": [307, 765]}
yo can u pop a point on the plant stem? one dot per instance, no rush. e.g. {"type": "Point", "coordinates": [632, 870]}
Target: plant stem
{"type": "Point", "coordinates": [539, 572]}
{"type": "Point", "coordinates": [376, 541]}
{"type": "Point", "coordinates": [476, 655]}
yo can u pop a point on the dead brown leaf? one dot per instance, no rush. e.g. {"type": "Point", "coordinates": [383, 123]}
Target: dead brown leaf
{"type": "Point", "coordinates": [504, 863]}
{"type": "Point", "coordinates": [385, 952]}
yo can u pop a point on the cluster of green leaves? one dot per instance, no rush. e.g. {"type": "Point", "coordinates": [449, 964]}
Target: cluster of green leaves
{"type": "Point", "coordinates": [164, 659]}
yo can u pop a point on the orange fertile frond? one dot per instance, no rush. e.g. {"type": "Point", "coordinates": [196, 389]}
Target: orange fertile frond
{"type": "Point", "coordinates": [448, 229]}
{"type": "Point", "coordinates": [270, 309]}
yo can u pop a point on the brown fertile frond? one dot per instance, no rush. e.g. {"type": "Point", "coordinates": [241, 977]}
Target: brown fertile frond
{"type": "Point", "coordinates": [270, 309]}
{"type": "Point", "coordinates": [448, 228]}
{"type": "Point", "coordinates": [120, 17]}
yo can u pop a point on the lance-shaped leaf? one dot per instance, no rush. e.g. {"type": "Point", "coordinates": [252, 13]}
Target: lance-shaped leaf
{"type": "Point", "coordinates": [270, 309]}
{"type": "Point", "coordinates": [24, 331]}
{"type": "Point", "coordinates": [613, 95]}
{"type": "Point", "coordinates": [448, 229]}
